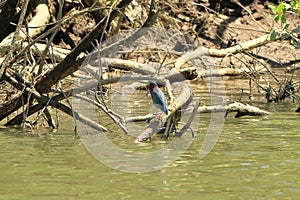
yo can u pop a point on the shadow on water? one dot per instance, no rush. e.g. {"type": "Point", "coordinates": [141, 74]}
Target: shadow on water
{"type": "Point", "coordinates": [255, 158]}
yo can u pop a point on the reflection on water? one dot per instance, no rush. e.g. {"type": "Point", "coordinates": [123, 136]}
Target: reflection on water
{"type": "Point", "coordinates": [255, 158]}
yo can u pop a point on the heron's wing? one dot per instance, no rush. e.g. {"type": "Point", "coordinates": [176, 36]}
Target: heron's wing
{"type": "Point", "coordinates": [158, 96]}
{"type": "Point", "coordinates": [159, 100]}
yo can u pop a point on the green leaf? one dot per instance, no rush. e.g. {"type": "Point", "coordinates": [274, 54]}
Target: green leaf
{"type": "Point", "coordinates": [276, 18]}
{"type": "Point", "coordinates": [273, 8]}
{"type": "Point", "coordinates": [285, 36]}
{"type": "Point", "coordinates": [280, 8]}
{"type": "Point", "coordinates": [273, 35]}
{"type": "Point", "coordinates": [296, 30]}
{"type": "Point", "coordinates": [286, 26]}
{"type": "Point", "coordinates": [292, 4]}
{"type": "Point", "coordinates": [283, 19]}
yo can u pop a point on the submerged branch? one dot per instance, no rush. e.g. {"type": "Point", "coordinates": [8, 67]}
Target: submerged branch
{"type": "Point", "coordinates": [241, 109]}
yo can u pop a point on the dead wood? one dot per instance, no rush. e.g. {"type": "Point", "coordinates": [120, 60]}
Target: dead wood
{"type": "Point", "coordinates": [18, 119]}
{"type": "Point", "coordinates": [69, 65]}
{"type": "Point", "coordinates": [49, 119]}
{"type": "Point", "coordinates": [115, 117]}
{"type": "Point", "coordinates": [36, 25]}
{"type": "Point", "coordinates": [45, 101]}
{"type": "Point", "coordinates": [222, 52]}
{"type": "Point", "coordinates": [4, 64]}
{"type": "Point", "coordinates": [240, 108]}
{"type": "Point", "coordinates": [59, 53]}
{"type": "Point", "coordinates": [19, 99]}
{"type": "Point", "coordinates": [189, 122]}
{"type": "Point", "coordinates": [38, 22]}
{"type": "Point", "coordinates": [126, 65]}
{"type": "Point", "coordinates": [56, 53]}
{"type": "Point", "coordinates": [140, 118]}
{"type": "Point", "coordinates": [97, 15]}
{"type": "Point", "coordinates": [192, 73]}
{"type": "Point", "coordinates": [12, 104]}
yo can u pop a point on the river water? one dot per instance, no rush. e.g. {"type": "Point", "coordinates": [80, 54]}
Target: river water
{"type": "Point", "coordinates": [254, 158]}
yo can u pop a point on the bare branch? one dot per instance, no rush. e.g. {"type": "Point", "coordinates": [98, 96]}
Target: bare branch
{"type": "Point", "coordinates": [221, 52]}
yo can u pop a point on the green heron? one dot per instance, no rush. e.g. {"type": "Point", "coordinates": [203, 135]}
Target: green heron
{"type": "Point", "coordinates": [158, 97]}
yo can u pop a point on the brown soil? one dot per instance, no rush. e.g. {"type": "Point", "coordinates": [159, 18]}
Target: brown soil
{"type": "Point", "coordinates": [213, 25]}
{"type": "Point", "coordinates": [252, 23]}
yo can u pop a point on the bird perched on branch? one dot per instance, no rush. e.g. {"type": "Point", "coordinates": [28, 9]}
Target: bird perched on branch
{"type": "Point", "coordinates": [158, 97]}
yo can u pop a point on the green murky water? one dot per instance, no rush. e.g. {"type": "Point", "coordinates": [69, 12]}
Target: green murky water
{"type": "Point", "coordinates": [254, 158]}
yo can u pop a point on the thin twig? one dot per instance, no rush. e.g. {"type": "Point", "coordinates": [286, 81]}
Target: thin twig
{"type": "Point", "coordinates": [189, 122]}
{"type": "Point", "coordinates": [118, 120]}
{"type": "Point", "coordinates": [45, 52]}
